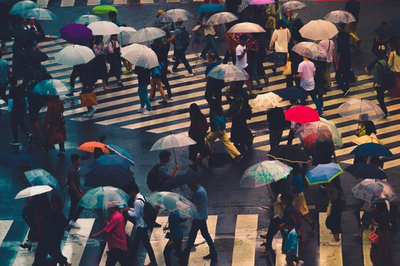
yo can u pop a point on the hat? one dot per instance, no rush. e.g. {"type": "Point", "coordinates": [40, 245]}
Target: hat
{"type": "Point", "coordinates": [159, 12]}
{"type": "Point", "coordinates": [113, 204]}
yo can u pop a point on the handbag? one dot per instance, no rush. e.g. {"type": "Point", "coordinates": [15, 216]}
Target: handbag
{"type": "Point", "coordinates": [288, 67]}
{"type": "Point", "coordinates": [373, 237]}
{"type": "Point", "coordinates": [88, 99]}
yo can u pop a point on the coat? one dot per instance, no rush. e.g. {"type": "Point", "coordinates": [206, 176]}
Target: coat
{"type": "Point", "coordinates": [54, 123]}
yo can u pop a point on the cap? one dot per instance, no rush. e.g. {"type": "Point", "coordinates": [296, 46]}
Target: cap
{"type": "Point", "coordinates": [159, 12]}
{"type": "Point", "coordinates": [113, 204]}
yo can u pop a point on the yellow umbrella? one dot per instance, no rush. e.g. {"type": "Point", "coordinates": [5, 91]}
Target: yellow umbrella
{"type": "Point", "coordinates": [367, 139]}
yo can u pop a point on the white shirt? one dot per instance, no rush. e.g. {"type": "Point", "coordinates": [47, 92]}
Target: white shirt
{"type": "Point", "coordinates": [208, 29]}
{"type": "Point", "coordinates": [137, 211]}
{"type": "Point", "coordinates": [329, 47]}
{"type": "Point", "coordinates": [307, 78]}
{"type": "Point", "coordinates": [242, 63]}
{"type": "Point", "coordinates": [280, 40]}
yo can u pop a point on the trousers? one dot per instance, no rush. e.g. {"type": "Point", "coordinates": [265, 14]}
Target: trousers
{"type": "Point", "coordinates": [17, 120]}
{"type": "Point", "coordinates": [212, 136]}
{"type": "Point", "coordinates": [177, 245]}
{"type": "Point", "coordinates": [210, 45]}
{"type": "Point", "coordinates": [144, 97]}
{"type": "Point", "coordinates": [142, 236]}
{"type": "Point", "coordinates": [180, 56]}
{"type": "Point", "coordinates": [117, 255]}
{"type": "Point", "coordinates": [202, 226]}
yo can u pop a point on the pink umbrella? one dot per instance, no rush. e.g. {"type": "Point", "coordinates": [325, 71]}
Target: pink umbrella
{"type": "Point", "coordinates": [261, 2]}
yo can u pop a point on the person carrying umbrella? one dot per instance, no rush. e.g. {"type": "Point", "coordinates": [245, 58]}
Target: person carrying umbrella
{"type": "Point", "coordinates": [209, 34]}
{"type": "Point", "coordinates": [213, 86]}
{"type": "Point", "coordinates": [276, 124]}
{"type": "Point", "coordinates": [353, 6]}
{"type": "Point", "coordinates": [343, 60]}
{"type": "Point", "coordinates": [280, 42]}
{"type": "Point", "coordinates": [379, 70]}
{"type": "Point", "coordinates": [114, 59]}
{"type": "Point", "coordinates": [197, 131]}
{"type": "Point", "coordinates": [99, 63]}
{"type": "Point", "coordinates": [32, 25]}
{"type": "Point", "coordinates": [394, 63]}
{"type": "Point", "coordinates": [74, 190]}
{"type": "Point", "coordinates": [112, 16]}
{"type": "Point", "coordinates": [335, 209]}
{"type": "Point", "coordinates": [144, 81]}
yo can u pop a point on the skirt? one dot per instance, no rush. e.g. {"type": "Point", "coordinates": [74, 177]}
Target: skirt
{"type": "Point", "coordinates": [299, 203]}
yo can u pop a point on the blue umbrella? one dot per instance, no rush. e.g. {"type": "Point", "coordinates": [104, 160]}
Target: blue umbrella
{"type": "Point", "coordinates": [38, 177]}
{"type": "Point", "coordinates": [363, 170]}
{"type": "Point", "coordinates": [210, 8]}
{"type": "Point", "coordinates": [109, 175]}
{"type": "Point", "coordinates": [323, 173]}
{"type": "Point", "coordinates": [112, 159]}
{"type": "Point", "coordinates": [98, 198]}
{"type": "Point", "coordinates": [293, 93]}
{"type": "Point", "coordinates": [19, 160]}
{"type": "Point", "coordinates": [121, 152]}
{"type": "Point", "coordinates": [371, 149]}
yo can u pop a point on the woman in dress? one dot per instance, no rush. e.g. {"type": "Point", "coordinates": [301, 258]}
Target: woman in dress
{"type": "Point", "coordinates": [114, 59]}
{"type": "Point", "coordinates": [99, 62]}
{"type": "Point", "coordinates": [335, 208]}
{"type": "Point", "coordinates": [54, 125]}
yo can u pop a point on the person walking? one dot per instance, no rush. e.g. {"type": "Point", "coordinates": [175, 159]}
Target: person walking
{"type": "Point", "coordinates": [156, 82]}
{"type": "Point", "coordinates": [394, 64]}
{"type": "Point", "coordinates": [280, 43]}
{"type": "Point", "coordinates": [114, 59]}
{"type": "Point", "coordinates": [163, 175]}
{"type": "Point", "coordinates": [209, 34]}
{"type": "Point", "coordinates": [241, 61]}
{"type": "Point", "coordinates": [334, 211]}
{"type": "Point", "coordinates": [230, 52]}
{"type": "Point", "coordinates": [343, 60]}
{"type": "Point", "coordinates": [4, 75]}
{"type": "Point", "coordinates": [276, 123]}
{"type": "Point", "coordinates": [74, 191]}
{"type": "Point", "coordinates": [143, 82]}
{"type": "Point", "coordinates": [354, 7]}
{"type": "Point", "coordinates": [99, 62]}
{"type": "Point", "coordinates": [379, 83]}
{"type": "Point", "coordinates": [213, 86]}
{"type": "Point", "coordinates": [161, 49]}
{"type": "Point", "coordinates": [197, 131]}
{"type": "Point", "coordinates": [112, 16]}
{"type": "Point", "coordinates": [59, 220]}
{"type": "Point", "coordinates": [29, 216]}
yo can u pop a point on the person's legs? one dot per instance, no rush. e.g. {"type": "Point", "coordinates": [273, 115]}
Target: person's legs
{"type": "Point", "coordinates": [184, 60]}
{"type": "Point", "coordinates": [275, 136]}
{"type": "Point", "coordinates": [206, 48]}
{"type": "Point", "coordinates": [112, 257]}
{"type": "Point", "coordinates": [255, 75]}
{"type": "Point", "coordinates": [313, 95]}
{"type": "Point", "coordinates": [40, 254]}
{"type": "Point", "coordinates": [177, 60]}
{"type": "Point", "coordinates": [152, 94]}
{"type": "Point", "coordinates": [210, 139]}
{"type": "Point", "coordinates": [146, 243]}
{"type": "Point", "coordinates": [192, 237]}
{"type": "Point", "coordinates": [371, 66]}
{"type": "Point", "coordinates": [207, 237]}
{"type": "Point", "coordinates": [3, 88]}
{"type": "Point", "coordinates": [321, 99]}
{"type": "Point", "coordinates": [73, 77]}
{"type": "Point", "coordinates": [213, 45]}
{"type": "Point", "coordinates": [14, 126]}
{"type": "Point", "coordinates": [290, 137]}
{"type": "Point", "coordinates": [167, 250]}
{"type": "Point", "coordinates": [339, 78]}
{"type": "Point", "coordinates": [380, 95]}
{"type": "Point", "coordinates": [164, 80]}
{"type": "Point", "coordinates": [178, 251]}
{"type": "Point", "coordinates": [160, 88]}
{"type": "Point", "coordinates": [233, 152]}
{"type": "Point", "coordinates": [144, 98]}
{"type": "Point", "coordinates": [77, 213]}
{"type": "Point", "coordinates": [74, 205]}
{"type": "Point", "coordinates": [273, 228]}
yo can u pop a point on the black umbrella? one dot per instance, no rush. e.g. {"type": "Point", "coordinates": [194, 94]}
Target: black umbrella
{"type": "Point", "coordinates": [20, 34]}
{"type": "Point", "coordinates": [363, 170]}
{"type": "Point", "coordinates": [109, 175]}
{"type": "Point", "coordinates": [289, 153]}
{"type": "Point", "coordinates": [179, 181]}
{"type": "Point", "coordinates": [293, 93]}
{"type": "Point", "coordinates": [31, 55]}
{"type": "Point", "coordinates": [388, 30]}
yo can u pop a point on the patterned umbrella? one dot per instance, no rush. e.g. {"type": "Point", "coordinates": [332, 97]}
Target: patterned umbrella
{"type": "Point", "coordinates": [363, 170]}
{"type": "Point", "coordinates": [261, 2]}
{"type": "Point", "coordinates": [289, 153]}
{"type": "Point", "coordinates": [98, 198]}
{"type": "Point", "coordinates": [322, 130]}
{"type": "Point", "coordinates": [323, 173]}
{"type": "Point", "coordinates": [265, 101]}
{"type": "Point", "coordinates": [243, 5]}
{"type": "Point", "coordinates": [263, 173]}
{"type": "Point", "coordinates": [252, 43]}
{"type": "Point", "coordinates": [302, 114]}
{"type": "Point", "coordinates": [354, 108]}
{"type": "Point", "coordinates": [173, 202]}
{"type": "Point", "coordinates": [372, 149]}
{"type": "Point", "coordinates": [373, 190]}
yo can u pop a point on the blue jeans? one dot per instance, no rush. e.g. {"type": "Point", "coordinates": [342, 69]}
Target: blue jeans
{"type": "Point", "coordinates": [313, 95]}
{"type": "Point", "coordinates": [210, 45]}
{"type": "Point", "coordinates": [144, 97]}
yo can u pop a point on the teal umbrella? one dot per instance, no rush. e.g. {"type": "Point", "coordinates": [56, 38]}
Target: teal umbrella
{"type": "Point", "coordinates": [121, 152]}
{"type": "Point", "coordinates": [39, 14]}
{"type": "Point", "coordinates": [98, 198]}
{"type": "Point", "coordinates": [52, 87]}
{"type": "Point", "coordinates": [263, 173]}
{"type": "Point", "coordinates": [38, 177]}
{"type": "Point", "coordinates": [174, 202]}
{"type": "Point", "coordinates": [323, 173]}
{"type": "Point", "coordinates": [23, 6]}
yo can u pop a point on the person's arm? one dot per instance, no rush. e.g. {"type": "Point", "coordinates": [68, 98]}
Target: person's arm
{"type": "Point", "coordinates": [300, 75]}
{"type": "Point", "coordinates": [273, 39]}
{"type": "Point", "coordinates": [243, 54]}
{"type": "Point", "coordinates": [390, 60]}
{"type": "Point", "coordinates": [98, 233]}
{"type": "Point", "coordinates": [135, 212]}
{"type": "Point", "coordinates": [171, 176]}
{"type": "Point", "coordinates": [173, 37]}
{"type": "Point", "coordinates": [110, 48]}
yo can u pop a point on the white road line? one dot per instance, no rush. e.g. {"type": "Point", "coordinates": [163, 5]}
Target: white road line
{"type": "Point", "coordinates": [5, 225]}
{"type": "Point", "coordinates": [158, 241]}
{"type": "Point", "coordinates": [328, 255]}
{"type": "Point", "coordinates": [245, 240]}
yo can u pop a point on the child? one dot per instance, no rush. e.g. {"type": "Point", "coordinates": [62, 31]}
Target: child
{"type": "Point", "coordinates": [290, 243]}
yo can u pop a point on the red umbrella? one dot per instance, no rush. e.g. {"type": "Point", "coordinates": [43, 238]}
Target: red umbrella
{"type": "Point", "coordinates": [302, 114]}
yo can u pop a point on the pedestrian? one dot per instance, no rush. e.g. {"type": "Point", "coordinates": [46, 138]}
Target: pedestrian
{"type": "Point", "coordinates": [213, 86]}
{"type": "Point", "coordinates": [116, 237]}
{"type": "Point", "coordinates": [231, 48]}
{"type": "Point", "coordinates": [293, 125]}
{"type": "Point", "coordinates": [34, 26]}
{"type": "Point", "coordinates": [287, 19]}
{"type": "Point", "coordinates": [114, 59]}
{"type": "Point", "coordinates": [35, 104]}
{"type": "Point", "coordinates": [156, 82]}
{"type": "Point", "coordinates": [161, 49]}
{"type": "Point", "coordinates": [381, 67]}
{"type": "Point", "coordinates": [255, 56]}
{"type": "Point", "coordinates": [54, 125]}
{"type": "Point", "coordinates": [112, 16]}
{"type": "Point", "coordinates": [163, 175]}
{"type": "Point", "coordinates": [276, 123]}
{"type": "Point", "coordinates": [343, 60]}
{"type": "Point", "coordinates": [99, 62]}
{"type": "Point", "coordinates": [197, 131]}
{"type": "Point", "coordinates": [353, 6]}
{"type": "Point", "coordinates": [218, 126]}
{"type": "Point", "coordinates": [280, 43]}
{"type": "Point", "coordinates": [17, 107]}
{"type": "Point", "coordinates": [59, 220]}
{"type": "Point", "coordinates": [84, 72]}
{"type": "Point", "coordinates": [322, 84]}
{"type": "Point", "coordinates": [380, 43]}
{"type": "Point", "coordinates": [200, 200]}
{"type": "Point", "coordinates": [335, 209]}
{"type": "Point", "coordinates": [324, 149]}
{"type": "Point", "coordinates": [4, 75]}
{"type": "Point", "coordinates": [29, 216]}
{"type": "Point", "coordinates": [143, 82]}
{"type": "Point", "coordinates": [366, 219]}
{"type": "Point", "coordinates": [209, 34]}
{"type": "Point", "coordinates": [294, 57]}
{"type": "Point", "coordinates": [291, 243]}
{"type": "Point", "coordinates": [74, 191]}
{"type": "Point", "coordinates": [394, 64]}
{"type": "Point", "coordinates": [241, 61]}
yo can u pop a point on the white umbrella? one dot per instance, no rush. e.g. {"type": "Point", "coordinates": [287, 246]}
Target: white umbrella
{"type": "Point", "coordinates": [339, 16]}
{"type": "Point", "coordinates": [39, 14]}
{"type": "Point", "coordinates": [221, 18]}
{"type": "Point", "coordinates": [246, 27]}
{"type": "Point", "coordinates": [265, 101]}
{"type": "Point", "coordinates": [172, 141]}
{"type": "Point", "coordinates": [74, 55]}
{"type": "Point", "coordinates": [292, 5]}
{"type": "Point", "coordinates": [87, 19]}
{"type": "Point", "coordinates": [140, 55]}
{"type": "Point", "coordinates": [353, 108]}
{"type": "Point", "coordinates": [23, 6]}
{"type": "Point", "coordinates": [147, 35]}
{"type": "Point", "coordinates": [228, 73]}
{"type": "Point", "coordinates": [103, 28]}
{"type": "Point", "coordinates": [311, 50]}
{"type": "Point", "coordinates": [318, 30]}
{"type": "Point", "coordinates": [175, 15]}
{"type": "Point", "coordinates": [33, 191]}
{"type": "Point", "coordinates": [125, 34]}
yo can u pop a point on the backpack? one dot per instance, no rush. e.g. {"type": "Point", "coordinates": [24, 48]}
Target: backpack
{"type": "Point", "coordinates": [149, 213]}
{"type": "Point", "coordinates": [153, 181]}
{"type": "Point", "coordinates": [185, 37]}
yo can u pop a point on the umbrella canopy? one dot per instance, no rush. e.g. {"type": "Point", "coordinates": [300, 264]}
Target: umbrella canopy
{"type": "Point", "coordinates": [292, 5]}
{"type": "Point", "coordinates": [302, 114]}
{"type": "Point", "coordinates": [76, 33]}
{"type": "Point", "coordinates": [265, 101]}
{"type": "Point", "coordinates": [120, 152]}
{"type": "Point", "coordinates": [363, 170]}
{"type": "Point", "coordinates": [372, 149]}
{"type": "Point", "coordinates": [263, 173]}
{"type": "Point", "coordinates": [108, 175]}
{"type": "Point", "coordinates": [103, 9]}
{"type": "Point", "coordinates": [243, 5]}
{"type": "Point", "coordinates": [19, 160]}
{"type": "Point", "coordinates": [367, 139]}
{"type": "Point", "coordinates": [174, 15]}
{"type": "Point", "coordinates": [322, 130]}
{"type": "Point", "coordinates": [388, 30]}
{"type": "Point", "coordinates": [91, 145]}
{"type": "Point", "coordinates": [33, 191]}
{"type": "Point", "coordinates": [353, 108]}
{"type": "Point", "coordinates": [173, 202]}
{"type": "Point", "coordinates": [39, 14]}
{"type": "Point", "coordinates": [339, 16]}
{"type": "Point", "coordinates": [310, 50]}
{"type": "Point", "coordinates": [228, 73]}
{"type": "Point", "coordinates": [74, 55]}
{"type": "Point", "coordinates": [103, 28]}
{"type": "Point", "coordinates": [21, 7]}
{"type": "Point", "coordinates": [293, 93]}
{"type": "Point", "coordinates": [53, 87]}
{"type": "Point", "coordinates": [211, 8]}
{"type": "Point", "coordinates": [140, 55]}
{"type": "Point", "coordinates": [37, 177]}
{"type": "Point", "coordinates": [323, 173]}
{"type": "Point", "coordinates": [87, 19]}
{"type": "Point", "coordinates": [317, 30]}
{"type": "Point", "coordinates": [147, 35]}
{"type": "Point", "coordinates": [125, 34]}
{"type": "Point", "coordinates": [178, 181]}
{"type": "Point", "coordinates": [261, 2]}
{"type": "Point", "coordinates": [246, 27]}
{"type": "Point", "coordinates": [289, 153]}
{"type": "Point", "coordinates": [373, 190]}
{"type": "Point", "coordinates": [221, 18]}
{"type": "Point", "coordinates": [20, 34]}
{"type": "Point", "coordinates": [172, 141]}
{"type": "Point", "coordinates": [34, 56]}
{"type": "Point", "coordinates": [110, 159]}
{"type": "Point", "coordinates": [98, 198]}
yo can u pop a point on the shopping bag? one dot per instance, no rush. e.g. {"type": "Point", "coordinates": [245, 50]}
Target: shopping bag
{"type": "Point", "coordinates": [88, 99]}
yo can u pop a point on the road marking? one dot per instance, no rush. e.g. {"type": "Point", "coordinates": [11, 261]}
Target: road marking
{"type": "Point", "coordinates": [245, 240]}
{"type": "Point", "coordinates": [280, 258]}
{"type": "Point", "coordinates": [42, 3]}
{"type": "Point", "coordinates": [67, 3]}
{"type": "Point", "coordinates": [158, 241]}
{"type": "Point", "coordinates": [4, 227]}
{"type": "Point", "coordinates": [328, 255]}
{"type": "Point", "coordinates": [366, 244]}
{"type": "Point", "coordinates": [120, 2]}
{"type": "Point", "coordinates": [24, 256]}
{"type": "Point", "coordinates": [93, 2]}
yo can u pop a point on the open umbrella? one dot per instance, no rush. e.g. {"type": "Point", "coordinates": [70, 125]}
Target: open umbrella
{"type": "Point", "coordinates": [322, 130]}
{"type": "Point", "coordinates": [243, 5]}
{"type": "Point", "coordinates": [261, 2]}
{"type": "Point", "coordinates": [388, 30]}
{"type": "Point", "coordinates": [289, 153]}
{"type": "Point", "coordinates": [140, 55]}
{"type": "Point", "coordinates": [37, 177]}
{"type": "Point", "coordinates": [147, 35]}
{"type": "Point", "coordinates": [33, 191]}
{"type": "Point", "coordinates": [372, 149]}
{"type": "Point", "coordinates": [53, 87]}
{"type": "Point", "coordinates": [103, 9]}
{"type": "Point", "coordinates": [91, 145]}
{"type": "Point", "coordinates": [174, 202]}
{"type": "Point", "coordinates": [98, 198]}
{"type": "Point", "coordinates": [125, 35]}
{"type": "Point", "coordinates": [293, 93]}
{"type": "Point", "coordinates": [40, 14]}
{"type": "Point", "coordinates": [292, 5]}
{"type": "Point", "coordinates": [74, 55]}
{"type": "Point", "coordinates": [22, 6]}
{"type": "Point", "coordinates": [174, 15]}
{"type": "Point", "coordinates": [19, 160]}
{"type": "Point", "coordinates": [221, 18]}
{"type": "Point", "coordinates": [179, 181]}
{"type": "Point", "coordinates": [373, 191]}
{"type": "Point", "coordinates": [363, 170]}
{"type": "Point", "coordinates": [318, 30]}
{"type": "Point", "coordinates": [265, 101]}
{"type": "Point", "coordinates": [210, 8]}
{"type": "Point", "coordinates": [353, 108]}
{"type": "Point", "coordinates": [367, 139]}
{"type": "Point", "coordinates": [246, 27]}
{"type": "Point", "coordinates": [228, 73]}
{"type": "Point", "coordinates": [301, 114]}
{"type": "Point", "coordinates": [103, 28]}
{"type": "Point", "coordinates": [34, 56]}
{"type": "Point", "coordinates": [263, 173]}
{"type": "Point", "coordinates": [110, 159]}
{"type": "Point", "coordinates": [109, 175]}
{"type": "Point", "coordinates": [172, 141]}
{"type": "Point", "coordinates": [76, 33]}
{"type": "Point", "coordinates": [310, 50]}
{"type": "Point", "coordinates": [120, 152]}
{"type": "Point", "coordinates": [86, 19]}
{"type": "Point", "coordinates": [323, 173]}
{"type": "Point", "coordinates": [339, 16]}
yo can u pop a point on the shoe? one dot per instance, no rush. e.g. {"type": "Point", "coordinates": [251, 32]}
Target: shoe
{"type": "Point", "coordinates": [105, 87]}
{"type": "Point", "coordinates": [156, 224]}
{"type": "Point", "coordinates": [312, 226]}
{"type": "Point", "coordinates": [210, 257]}
{"type": "Point", "coordinates": [367, 71]}
{"type": "Point", "coordinates": [264, 251]}
{"type": "Point", "coordinates": [263, 244]}
{"type": "Point", "coordinates": [15, 143]}
{"type": "Point", "coordinates": [321, 114]}
{"type": "Point", "coordinates": [141, 110]}
{"type": "Point", "coordinates": [274, 70]}
{"type": "Point", "coordinates": [358, 44]}
{"type": "Point", "coordinates": [120, 85]}
{"type": "Point", "coordinates": [74, 224]}
{"type": "Point", "coordinates": [189, 75]}
{"type": "Point", "coordinates": [147, 112]}
{"type": "Point", "coordinates": [238, 158]}
{"type": "Point", "coordinates": [163, 102]}
{"type": "Point", "coordinates": [127, 72]}
{"type": "Point", "coordinates": [388, 114]}
{"type": "Point", "coordinates": [259, 88]}
{"type": "Point", "coordinates": [90, 113]}
{"type": "Point", "coordinates": [266, 80]}
{"type": "Point", "coordinates": [264, 236]}
{"type": "Point", "coordinates": [27, 246]}
{"type": "Point", "coordinates": [334, 243]}
{"type": "Point", "coordinates": [356, 236]}
{"type": "Point", "coordinates": [202, 57]}
{"type": "Point", "coordinates": [30, 138]}
{"type": "Point", "coordinates": [69, 95]}
{"type": "Point", "coordinates": [152, 99]}
{"type": "Point", "coordinates": [169, 98]}
{"type": "Point", "coordinates": [300, 263]}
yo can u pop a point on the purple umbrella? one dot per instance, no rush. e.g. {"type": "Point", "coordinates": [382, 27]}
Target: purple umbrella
{"type": "Point", "coordinates": [76, 33]}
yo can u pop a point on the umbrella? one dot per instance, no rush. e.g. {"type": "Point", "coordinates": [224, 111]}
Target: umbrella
{"type": "Point", "coordinates": [86, 19]}
{"type": "Point", "coordinates": [289, 153]}
{"type": "Point", "coordinates": [178, 181]}
{"type": "Point", "coordinates": [172, 141]}
{"type": "Point", "coordinates": [110, 159]}
{"type": "Point", "coordinates": [322, 130]}
{"type": "Point", "coordinates": [174, 202]}
{"type": "Point", "coordinates": [34, 56]}
{"type": "Point", "coordinates": [261, 2]}
{"type": "Point", "coordinates": [363, 170]}
{"type": "Point", "coordinates": [37, 177]}
{"type": "Point", "coordinates": [19, 160]}
{"type": "Point", "coordinates": [52, 87]}
{"type": "Point", "coordinates": [265, 101]}
{"type": "Point", "coordinates": [221, 18]}
{"type": "Point", "coordinates": [20, 34]}
{"type": "Point", "coordinates": [310, 50]}
{"type": "Point", "coordinates": [293, 93]}
{"type": "Point", "coordinates": [140, 55]}
{"type": "Point", "coordinates": [76, 33]}
{"type": "Point", "coordinates": [120, 152]}
{"type": "Point", "coordinates": [323, 173]}
{"type": "Point", "coordinates": [125, 34]}
{"type": "Point", "coordinates": [103, 9]}
{"type": "Point", "coordinates": [211, 8]}
{"type": "Point", "coordinates": [318, 30]}
{"type": "Point", "coordinates": [23, 6]}
{"type": "Point", "coordinates": [246, 27]}
{"type": "Point", "coordinates": [33, 191]}
{"type": "Point", "coordinates": [263, 173]}
{"type": "Point", "coordinates": [292, 5]}
{"type": "Point", "coordinates": [301, 114]}
{"type": "Point", "coordinates": [228, 73]}
{"type": "Point", "coordinates": [108, 175]}
{"type": "Point", "coordinates": [174, 15]}
{"type": "Point", "coordinates": [91, 145]}
{"type": "Point", "coordinates": [98, 198]}
{"type": "Point", "coordinates": [243, 5]}
{"type": "Point", "coordinates": [373, 190]}
{"type": "Point", "coordinates": [147, 35]}
{"type": "Point", "coordinates": [353, 108]}
{"type": "Point", "coordinates": [367, 139]}
{"type": "Point", "coordinates": [103, 28]}
{"type": "Point", "coordinates": [388, 30]}
{"type": "Point", "coordinates": [74, 55]}
{"type": "Point", "coordinates": [372, 149]}
{"type": "Point", "coordinates": [339, 16]}
{"type": "Point", "coordinates": [40, 14]}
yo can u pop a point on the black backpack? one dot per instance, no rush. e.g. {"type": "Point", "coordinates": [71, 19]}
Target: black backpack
{"type": "Point", "coordinates": [153, 181]}
{"type": "Point", "coordinates": [185, 37]}
{"type": "Point", "coordinates": [149, 213]}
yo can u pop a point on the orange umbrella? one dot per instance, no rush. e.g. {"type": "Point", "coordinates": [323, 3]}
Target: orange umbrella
{"type": "Point", "coordinates": [91, 145]}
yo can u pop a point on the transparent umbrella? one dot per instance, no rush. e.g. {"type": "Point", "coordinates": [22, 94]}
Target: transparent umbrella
{"type": "Point", "coordinates": [22, 6]}
{"type": "Point", "coordinates": [221, 18]}
{"type": "Point", "coordinates": [265, 101]}
{"type": "Point", "coordinates": [37, 177]}
{"type": "Point", "coordinates": [228, 73]}
{"type": "Point", "coordinates": [172, 141]}
{"type": "Point", "coordinates": [147, 35]}
{"type": "Point", "coordinates": [40, 14]}
{"type": "Point", "coordinates": [354, 108]}
{"type": "Point", "coordinates": [125, 34]}
{"type": "Point", "coordinates": [374, 190]}
{"type": "Point", "coordinates": [33, 191]}
{"type": "Point", "coordinates": [172, 202]}
{"type": "Point", "coordinates": [87, 19]}
{"type": "Point", "coordinates": [263, 173]}
{"type": "Point", "coordinates": [311, 50]}
{"type": "Point", "coordinates": [292, 5]}
{"type": "Point", "coordinates": [339, 16]}
{"type": "Point", "coordinates": [52, 87]}
{"type": "Point", "coordinates": [74, 55]}
{"type": "Point", "coordinates": [99, 197]}
{"type": "Point", "coordinates": [174, 15]}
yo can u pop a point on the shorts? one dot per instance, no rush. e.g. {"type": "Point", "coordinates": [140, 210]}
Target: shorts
{"type": "Point", "coordinates": [280, 59]}
{"type": "Point", "coordinates": [248, 71]}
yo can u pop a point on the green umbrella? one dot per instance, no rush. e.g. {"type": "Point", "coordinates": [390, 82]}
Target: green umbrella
{"type": "Point", "coordinates": [104, 9]}
{"type": "Point", "coordinates": [52, 87]}
{"type": "Point", "coordinates": [263, 173]}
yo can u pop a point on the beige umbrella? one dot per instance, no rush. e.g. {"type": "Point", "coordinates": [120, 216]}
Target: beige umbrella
{"type": "Point", "coordinates": [318, 30]}
{"type": "Point", "coordinates": [246, 27]}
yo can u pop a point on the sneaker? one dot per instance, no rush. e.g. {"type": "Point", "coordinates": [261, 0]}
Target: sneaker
{"type": "Point", "coordinates": [69, 95]}
{"type": "Point", "coordinates": [74, 224]}
{"type": "Point", "coordinates": [321, 114]}
{"type": "Point", "coordinates": [26, 246]}
{"type": "Point", "coordinates": [156, 224]}
{"type": "Point", "coordinates": [264, 236]}
{"type": "Point", "coordinates": [141, 110]}
{"type": "Point", "coordinates": [15, 143]}
{"type": "Point", "coordinates": [90, 113]}
{"type": "Point", "coordinates": [126, 72]}
{"type": "Point", "coordinates": [189, 75]}
{"type": "Point", "coordinates": [30, 138]}
{"type": "Point", "coordinates": [238, 158]}
{"type": "Point", "coordinates": [162, 102]}
{"type": "Point", "coordinates": [169, 98]}
{"type": "Point", "coordinates": [210, 257]}
{"type": "Point", "coordinates": [334, 243]}
{"type": "Point", "coordinates": [300, 263]}
{"type": "Point", "coordinates": [147, 112]}
{"type": "Point", "coordinates": [105, 87]}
